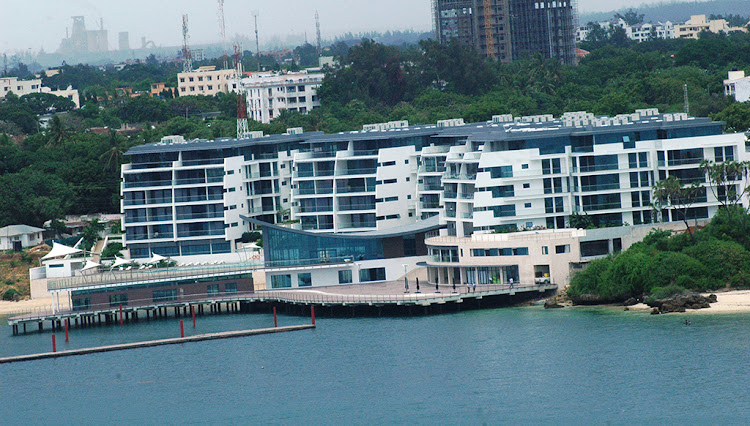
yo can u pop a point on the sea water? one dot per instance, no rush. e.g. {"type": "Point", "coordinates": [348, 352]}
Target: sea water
{"type": "Point", "coordinates": [513, 365]}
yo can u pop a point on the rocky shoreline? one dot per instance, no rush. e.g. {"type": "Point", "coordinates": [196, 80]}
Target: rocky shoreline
{"type": "Point", "coordinates": [677, 303]}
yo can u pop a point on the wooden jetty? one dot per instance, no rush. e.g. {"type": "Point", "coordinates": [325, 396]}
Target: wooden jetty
{"type": "Point", "coordinates": [174, 341]}
{"type": "Point", "coordinates": [445, 299]}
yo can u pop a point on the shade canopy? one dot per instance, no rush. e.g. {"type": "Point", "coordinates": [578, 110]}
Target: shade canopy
{"type": "Point", "coordinates": [90, 265]}
{"type": "Point", "coordinates": [157, 258]}
{"type": "Point", "coordinates": [120, 262]}
{"type": "Point", "coordinates": [60, 250]}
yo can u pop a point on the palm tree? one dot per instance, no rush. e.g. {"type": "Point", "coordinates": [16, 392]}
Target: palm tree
{"type": "Point", "coordinates": [57, 131]}
{"type": "Point", "coordinates": [112, 158]}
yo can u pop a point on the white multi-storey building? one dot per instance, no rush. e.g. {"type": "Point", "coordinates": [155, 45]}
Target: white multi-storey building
{"type": "Point", "coordinates": [183, 198]}
{"type": "Point", "coordinates": [207, 81]}
{"type": "Point", "coordinates": [25, 87]}
{"type": "Point", "coordinates": [737, 85]}
{"type": "Point", "coordinates": [270, 93]}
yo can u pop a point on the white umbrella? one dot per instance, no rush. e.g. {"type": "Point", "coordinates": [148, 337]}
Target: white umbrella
{"type": "Point", "coordinates": [60, 250]}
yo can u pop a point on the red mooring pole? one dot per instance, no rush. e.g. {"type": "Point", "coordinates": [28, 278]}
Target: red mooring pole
{"type": "Point", "coordinates": [192, 311]}
{"type": "Point", "coordinates": [275, 324]}
{"type": "Point", "coordinates": [54, 344]}
{"type": "Point", "coordinates": [182, 329]}
{"type": "Point", "coordinates": [67, 325]}
{"type": "Point", "coordinates": [120, 314]}
{"type": "Point", "coordinates": [312, 311]}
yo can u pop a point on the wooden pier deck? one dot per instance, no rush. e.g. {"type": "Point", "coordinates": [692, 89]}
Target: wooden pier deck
{"type": "Point", "coordinates": [368, 299]}
{"type": "Point", "coordinates": [151, 343]}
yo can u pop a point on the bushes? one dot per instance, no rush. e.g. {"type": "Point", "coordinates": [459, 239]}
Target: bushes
{"type": "Point", "coordinates": [659, 293]}
{"type": "Point", "coordinates": [11, 294]}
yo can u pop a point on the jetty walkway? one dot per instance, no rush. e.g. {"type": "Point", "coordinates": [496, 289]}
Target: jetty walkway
{"type": "Point", "coordinates": [380, 299]}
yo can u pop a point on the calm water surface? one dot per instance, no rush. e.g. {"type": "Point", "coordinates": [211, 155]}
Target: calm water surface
{"type": "Point", "coordinates": [496, 366]}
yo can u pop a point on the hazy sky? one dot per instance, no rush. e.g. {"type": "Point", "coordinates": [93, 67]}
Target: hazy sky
{"type": "Point", "coordinates": [42, 23]}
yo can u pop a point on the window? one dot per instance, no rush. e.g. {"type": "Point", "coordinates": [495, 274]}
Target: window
{"type": "Point", "coordinates": [594, 248]}
{"type": "Point", "coordinates": [527, 205]}
{"type": "Point", "coordinates": [118, 299]}
{"type": "Point", "coordinates": [501, 172]}
{"type": "Point", "coordinates": [545, 250]}
{"type": "Point", "coordinates": [562, 249]}
{"type": "Point", "coordinates": [230, 288]}
{"type": "Point", "coordinates": [372, 274]}
{"type": "Point", "coordinates": [304, 279]}
{"type": "Point", "coordinates": [281, 281]}
{"type": "Point", "coordinates": [212, 290]}
{"type": "Point", "coordinates": [526, 185]}
{"type": "Point", "coordinates": [164, 295]}
{"type": "Point", "coordinates": [345, 277]}
{"type": "Point", "coordinates": [81, 304]}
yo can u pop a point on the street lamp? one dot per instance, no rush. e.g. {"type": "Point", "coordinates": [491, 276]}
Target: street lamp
{"type": "Point", "coordinates": [406, 279]}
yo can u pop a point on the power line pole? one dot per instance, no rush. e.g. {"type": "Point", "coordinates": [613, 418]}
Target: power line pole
{"type": "Point", "coordinates": [223, 32]}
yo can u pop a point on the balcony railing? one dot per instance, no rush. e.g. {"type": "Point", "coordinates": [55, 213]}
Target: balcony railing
{"type": "Point", "coordinates": [351, 207]}
{"type": "Point", "coordinates": [361, 171]}
{"type": "Point", "coordinates": [148, 183]}
{"type": "Point", "coordinates": [431, 187]}
{"type": "Point", "coordinates": [685, 161]}
{"type": "Point", "coordinates": [603, 187]}
{"type": "Point", "coordinates": [450, 195]}
{"type": "Point", "coordinates": [352, 189]}
{"type": "Point", "coordinates": [202, 233]}
{"type": "Point", "coordinates": [189, 216]}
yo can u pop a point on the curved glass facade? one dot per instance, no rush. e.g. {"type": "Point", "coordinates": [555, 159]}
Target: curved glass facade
{"type": "Point", "coordinates": [284, 248]}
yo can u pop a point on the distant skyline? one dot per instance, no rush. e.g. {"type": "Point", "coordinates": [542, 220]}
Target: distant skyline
{"type": "Point", "coordinates": [42, 23]}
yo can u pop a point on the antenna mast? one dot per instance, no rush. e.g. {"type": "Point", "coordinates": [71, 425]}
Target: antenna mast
{"type": "Point", "coordinates": [187, 64]}
{"type": "Point", "coordinates": [317, 30]}
{"type": "Point", "coordinates": [257, 42]}
{"type": "Point", "coordinates": [223, 33]}
{"type": "Point", "coordinates": [243, 130]}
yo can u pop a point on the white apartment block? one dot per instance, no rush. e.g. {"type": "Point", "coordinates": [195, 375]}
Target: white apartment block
{"type": "Point", "coordinates": [737, 85]}
{"type": "Point", "coordinates": [25, 87]}
{"type": "Point", "coordinates": [270, 93]}
{"type": "Point", "coordinates": [185, 198]}
{"type": "Point", "coordinates": [206, 81]}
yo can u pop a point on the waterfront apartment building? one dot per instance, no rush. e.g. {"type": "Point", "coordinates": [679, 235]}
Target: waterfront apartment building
{"type": "Point", "coordinates": [509, 29]}
{"type": "Point", "coordinates": [207, 81]}
{"type": "Point", "coordinates": [270, 93]}
{"type": "Point", "coordinates": [183, 198]}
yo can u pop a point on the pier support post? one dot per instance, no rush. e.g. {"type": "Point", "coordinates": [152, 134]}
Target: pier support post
{"type": "Point", "coordinates": [182, 329]}
{"type": "Point", "coordinates": [275, 324]}
{"type": "Point", "coordinates": [121, 315]}
{"type": "Point", "coordinates": [192, 312]}
{"type": "Point", "coordinates": [67, 325]}
{"type": "Point", "coordinates": [54, 344]}
{"type": "Point", "coordinates": [312, 313]}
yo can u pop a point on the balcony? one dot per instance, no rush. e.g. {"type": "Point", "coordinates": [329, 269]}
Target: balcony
{"type": "Point", "coordinates": [353, 189]}
{"type": "Point", "coordinates": [444, 259]}
{"type": "Point", "coordinates": [145, 184]}
{"type": "Point", "coordinates": [431, 187]}
{"type": "Point", "coordinates": [450, 195]}
{"type": "Point", "coordinates": [595, 188]}
{"type": "Point", "coordinates": [203, 162]}
{"type": "Point", "coordinates": [192, 181]}
{"type": "Point", "coordinates": [191, 216]}
{"type": "Point", "coordinates": [160, 165]}
{"type": "Point", "coordinates": [352, 207]}
{"type": "Point", "coordinates": [450, 213]}
{"type": "Point", "coordinates": [202, 233]}
{"type": "Point", "coordinates": [356, 172]}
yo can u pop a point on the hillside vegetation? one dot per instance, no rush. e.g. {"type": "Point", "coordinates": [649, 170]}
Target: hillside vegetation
{"type": "Point", "coordinates": [715, 257]}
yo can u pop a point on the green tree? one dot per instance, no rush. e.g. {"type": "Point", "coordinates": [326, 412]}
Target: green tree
{"type": "Point", "coordinates": [671, 193]}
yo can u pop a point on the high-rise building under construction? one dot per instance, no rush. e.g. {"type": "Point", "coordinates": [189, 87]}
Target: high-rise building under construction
{"type": "Point", "coordinates": [509, 29]}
